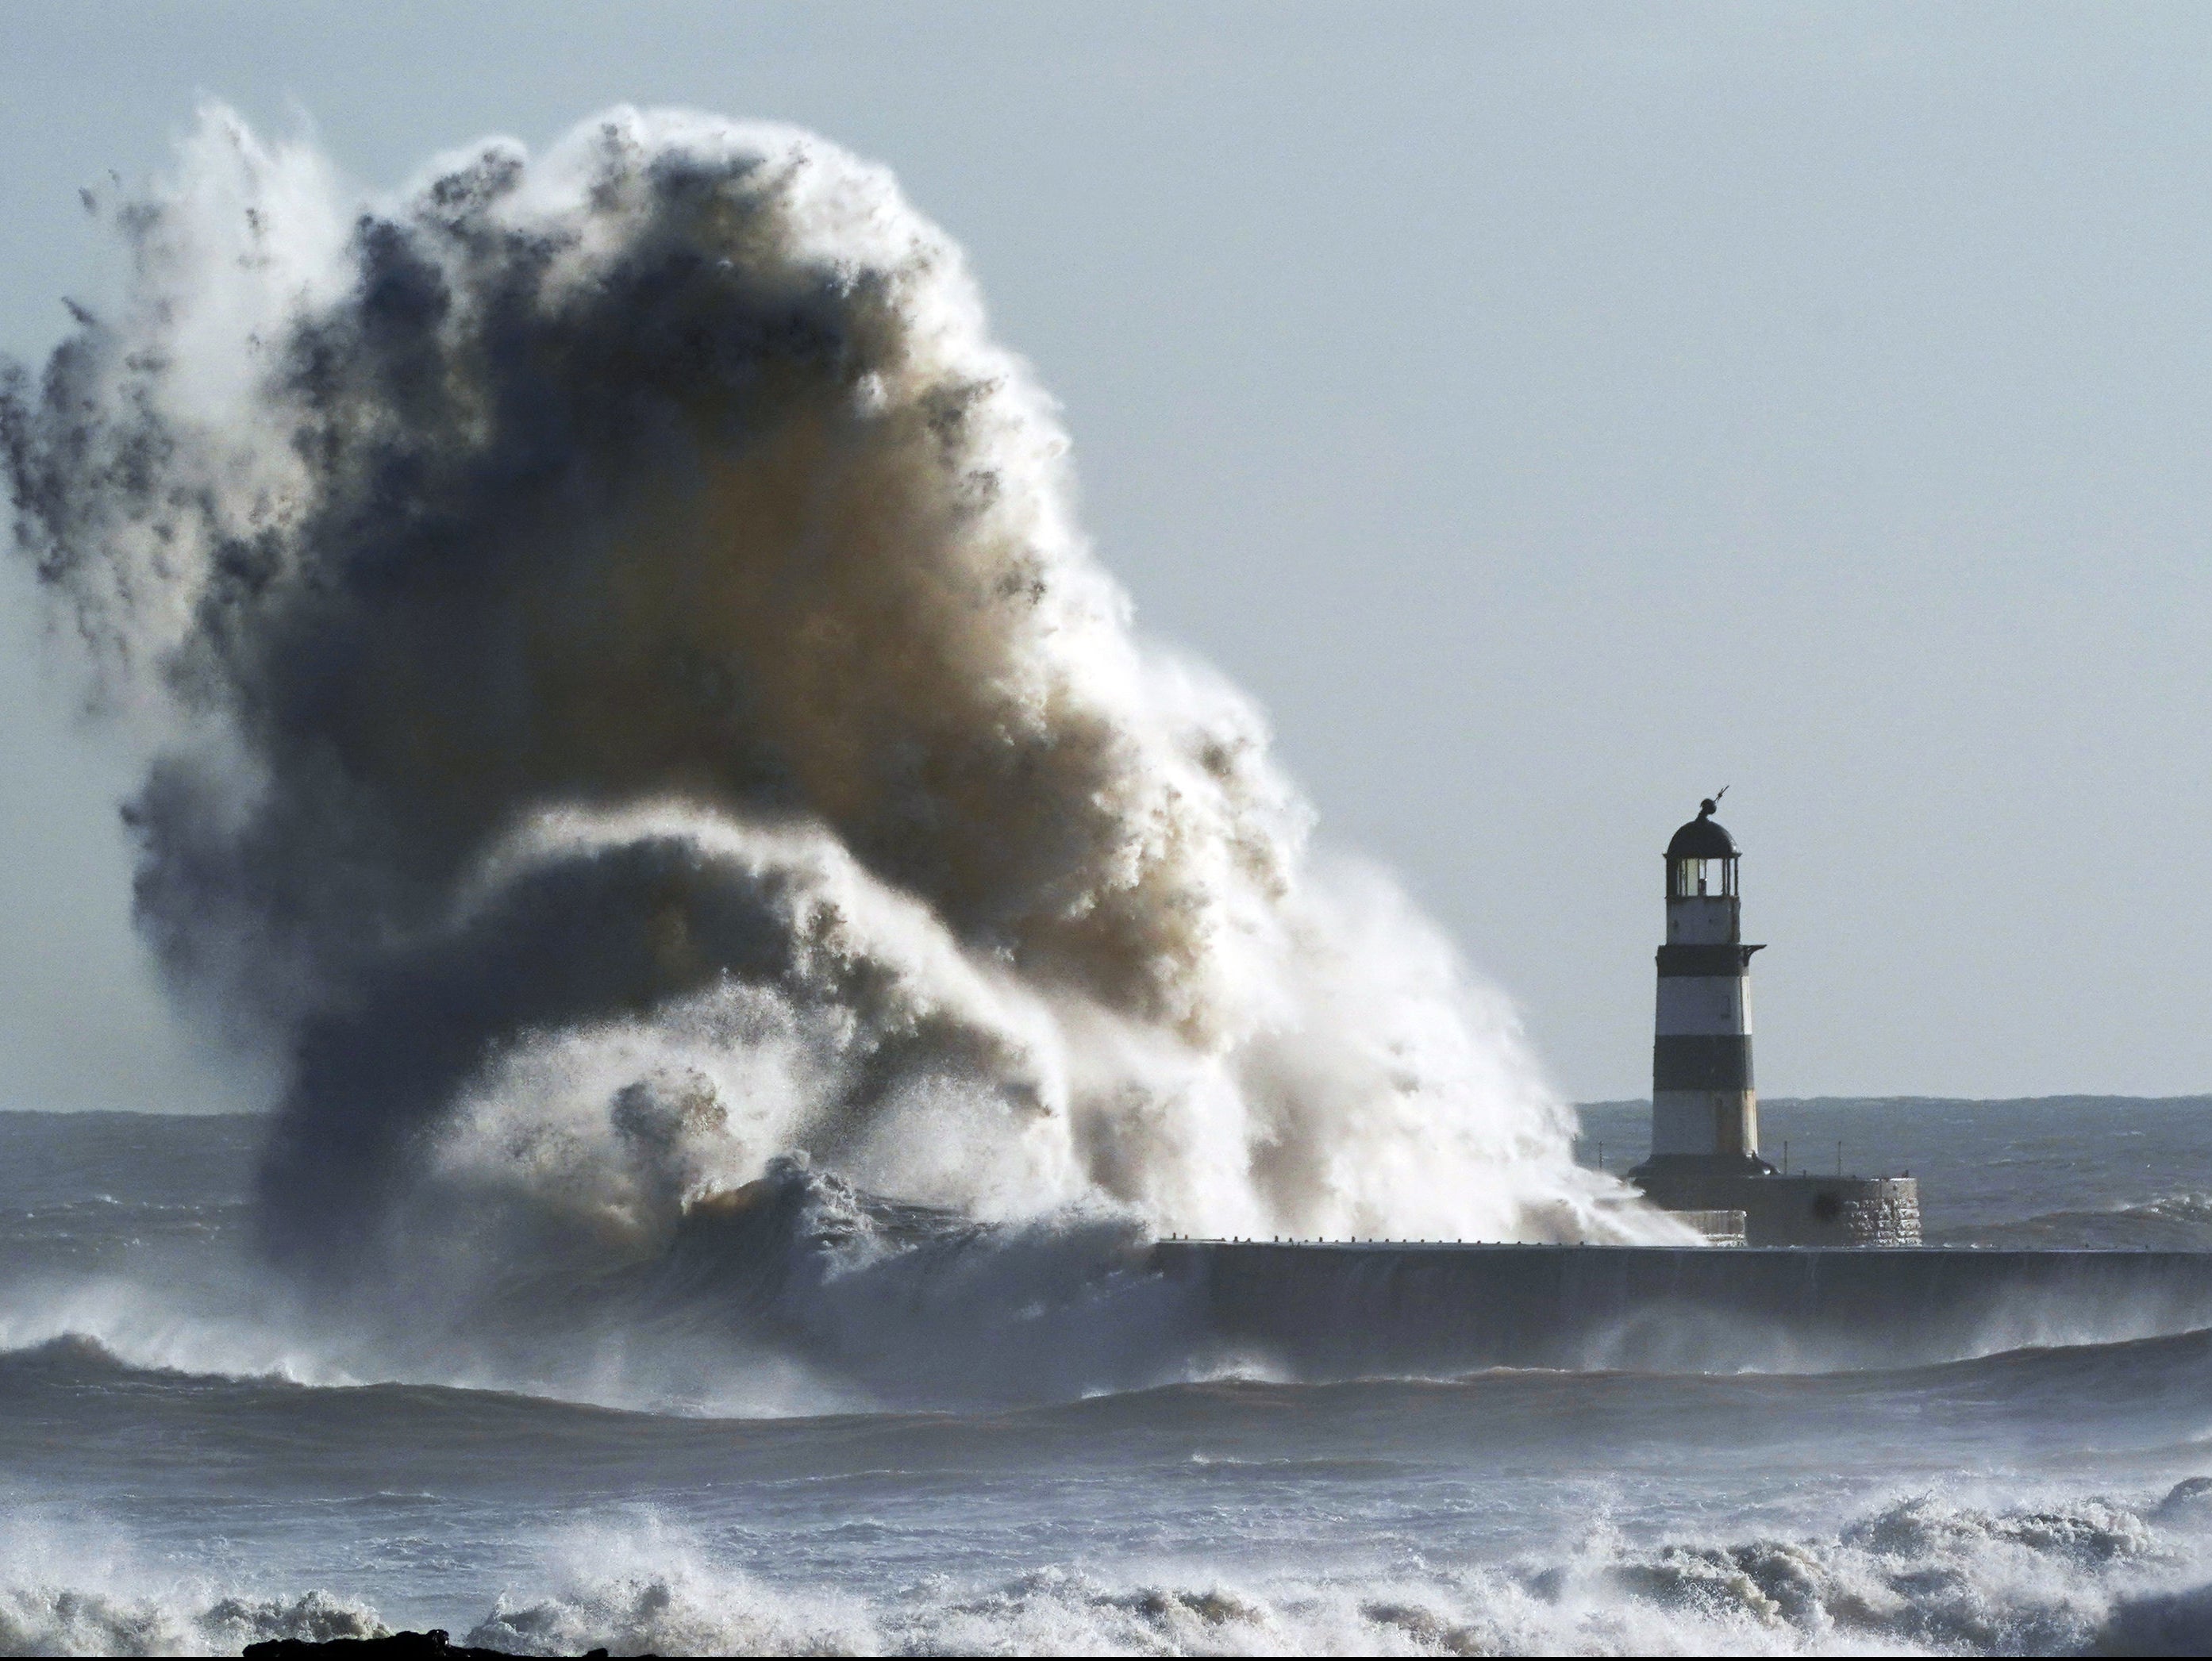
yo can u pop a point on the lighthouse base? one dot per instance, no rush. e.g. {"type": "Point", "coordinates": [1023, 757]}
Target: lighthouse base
{"type": "Point", "coordinates": [1793, 1210]}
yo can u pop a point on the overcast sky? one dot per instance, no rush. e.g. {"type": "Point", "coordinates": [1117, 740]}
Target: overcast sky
{"type": "Point", "coordinates": [1552, 413]}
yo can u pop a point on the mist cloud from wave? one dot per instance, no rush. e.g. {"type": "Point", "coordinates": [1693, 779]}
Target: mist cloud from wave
{"type": "Point", "coordinates": [632, 702]}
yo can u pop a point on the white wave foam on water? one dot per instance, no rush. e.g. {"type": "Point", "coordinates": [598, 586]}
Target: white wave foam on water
{"type": "Point", "coordinates": [72, 1584]}
{"type": "Point", "coordinates": [1915, 1578]}
{"type": "Point", "coordinates": [1921, 1575]}
{"type": "Point", "coordinates": [46, 1620]}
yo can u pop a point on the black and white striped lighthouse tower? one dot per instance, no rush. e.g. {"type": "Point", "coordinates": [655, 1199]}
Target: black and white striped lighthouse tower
{"type": "Point", "coordinates": [1704, 1159]}
{"type": "Point", "coordinates": [1705, 1109]}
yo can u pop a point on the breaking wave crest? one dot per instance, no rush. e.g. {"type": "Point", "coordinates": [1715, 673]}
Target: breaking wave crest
{"type": "Point", "coordinates": [1920, 1575]}
{"type": "Point", "coordinates": [45, 1620]}
{"type": "Point", "coordinates": [795, 1292]}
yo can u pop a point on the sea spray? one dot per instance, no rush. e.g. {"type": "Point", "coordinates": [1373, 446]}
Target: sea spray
{"type": "Point", "coordinates": [633, 704]}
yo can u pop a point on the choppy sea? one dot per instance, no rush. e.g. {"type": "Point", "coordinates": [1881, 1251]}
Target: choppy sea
{"type": "Point", "coordinates": [186, 1464]}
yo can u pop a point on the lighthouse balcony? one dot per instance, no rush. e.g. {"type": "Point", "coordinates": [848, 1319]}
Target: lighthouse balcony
{"type": "Point", "coordinates": [1702, 922]}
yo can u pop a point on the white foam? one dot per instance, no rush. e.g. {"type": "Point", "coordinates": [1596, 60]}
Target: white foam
{"type": "Point", "coordinates": [1920, 1575]}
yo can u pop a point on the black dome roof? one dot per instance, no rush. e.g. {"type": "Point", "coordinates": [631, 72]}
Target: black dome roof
{"type": "Point", "coordinates": [1702, 839]}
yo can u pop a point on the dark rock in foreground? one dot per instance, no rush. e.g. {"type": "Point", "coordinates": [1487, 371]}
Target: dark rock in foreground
{"type": "Point", "coordinates": [393, 1646]}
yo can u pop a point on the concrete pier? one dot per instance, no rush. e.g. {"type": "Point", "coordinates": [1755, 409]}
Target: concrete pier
{"type": "Point", "coordinates": [1341, 1310]}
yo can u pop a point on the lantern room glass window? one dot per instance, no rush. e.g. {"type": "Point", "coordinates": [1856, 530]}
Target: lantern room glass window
{"type": "Point", "coordinates": [1701, 879]}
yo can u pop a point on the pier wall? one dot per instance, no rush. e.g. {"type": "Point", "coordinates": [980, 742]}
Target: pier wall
{"type": "Point", "coordinates": [1325, 1309]}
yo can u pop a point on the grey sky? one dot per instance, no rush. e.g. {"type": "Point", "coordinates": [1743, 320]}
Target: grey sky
{"type": "Point", "coordinates": [1551, 414]}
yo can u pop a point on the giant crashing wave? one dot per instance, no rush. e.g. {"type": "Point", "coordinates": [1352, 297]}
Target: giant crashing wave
{"type": "Point", "coordinates": [635, 715]}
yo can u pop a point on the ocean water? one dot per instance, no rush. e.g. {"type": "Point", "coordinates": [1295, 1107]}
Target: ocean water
{"type": "Point", "coordinates": [194, 1457]}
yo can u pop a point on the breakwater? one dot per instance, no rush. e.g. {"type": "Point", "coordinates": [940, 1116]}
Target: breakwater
{"type": "Point", "coordinates": [1326, 1309]}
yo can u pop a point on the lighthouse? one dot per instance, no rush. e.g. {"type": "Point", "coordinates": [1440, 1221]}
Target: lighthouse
{"type": "Point", "coordinates": [1704, 1159]}
{"type": "Point", "coordinates": [1704, 1107]}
